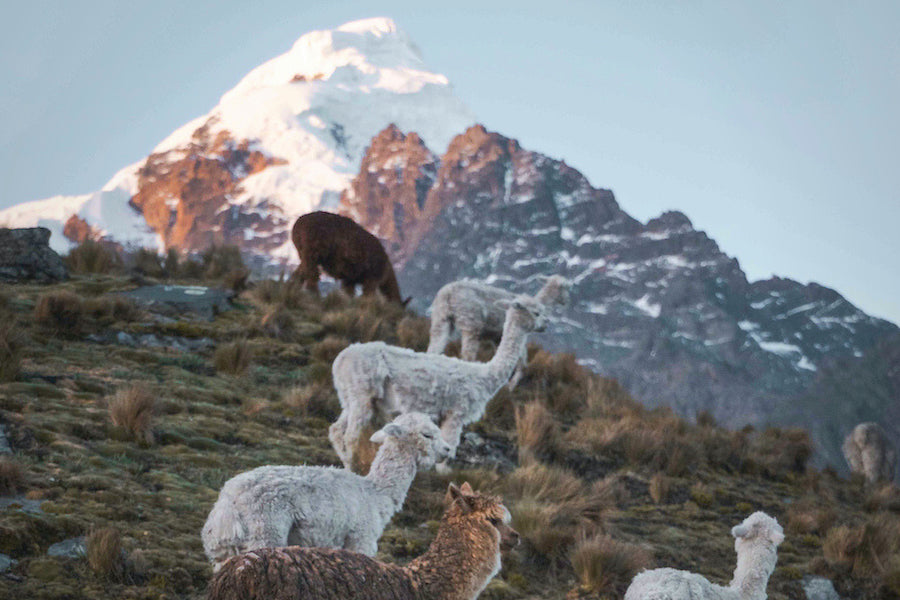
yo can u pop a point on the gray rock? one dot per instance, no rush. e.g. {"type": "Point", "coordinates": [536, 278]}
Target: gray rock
{"type": "Point", "coordinates": [126, 339]}
{"type": "Point", "coordinates": [70, 548]}
{"type": "Point", "coordinates": [175, 300]}
{"type": "Point", "coordinates": [25, 255]}
{"type": "Point", "coordinates": [6, 563]}
{"type": "Point", "coordinates": [819, 588]}
{"type": "Point", "coordinates": [22, 503]}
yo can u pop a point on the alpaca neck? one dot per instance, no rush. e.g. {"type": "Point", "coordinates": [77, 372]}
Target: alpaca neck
{"type": "Point", "coordinates": [751, 575]}
{"type": "Point", "coordinates": [391, 474]}
{"type": "Point", "coordinates": [458, 564]}
{"type": "Point", "coordinates": [508, 352]}
{"type": "Point", "coordinates": [389, 286]}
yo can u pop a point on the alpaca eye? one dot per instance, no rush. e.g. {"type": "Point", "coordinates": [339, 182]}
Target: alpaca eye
{"type": "Point", "coordinates": [429, 436]}
{"type": "Point", "coordinates": [494, 521]}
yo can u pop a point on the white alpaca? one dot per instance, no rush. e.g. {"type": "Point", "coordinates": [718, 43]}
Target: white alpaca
{"type": "Point", "coordinates": [327, 507]}
{"type": "Point", "coordinates": [755, 541]}
{"type": "Point", "coordinates": [375, 378]}
{"type": "Point", "coordinates": [477, 310]}
{"type": "Point", "coordinates": [868, 451]}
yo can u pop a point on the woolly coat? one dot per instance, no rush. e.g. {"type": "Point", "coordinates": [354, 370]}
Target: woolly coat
{"type": "Point", "coordinates": [756, 542]}
{"type": "Point", "coordinates": [321, 506]}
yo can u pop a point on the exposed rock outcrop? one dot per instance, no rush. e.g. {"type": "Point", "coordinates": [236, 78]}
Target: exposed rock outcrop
{"type": "Point", "coordinates": [25, 255]}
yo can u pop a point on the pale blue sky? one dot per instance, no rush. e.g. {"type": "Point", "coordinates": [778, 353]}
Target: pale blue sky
{"type": "Point", "coordinates": [772, 125]}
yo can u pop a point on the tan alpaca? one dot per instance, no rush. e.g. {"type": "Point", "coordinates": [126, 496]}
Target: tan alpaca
{"type": "Point", "coordinates": [458, 565]}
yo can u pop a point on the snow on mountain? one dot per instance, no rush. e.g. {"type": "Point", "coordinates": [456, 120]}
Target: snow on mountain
{"type": "Point", "coordinates": [287, 139]}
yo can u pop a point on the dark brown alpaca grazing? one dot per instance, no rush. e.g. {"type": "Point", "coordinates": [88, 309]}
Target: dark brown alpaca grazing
{"type": "Point", "coordinates": [458, 565]}
{"type": "Point", "coordinates": [346, 252]}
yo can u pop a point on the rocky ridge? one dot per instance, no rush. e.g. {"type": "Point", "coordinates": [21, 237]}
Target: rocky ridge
{"type": "Point", "coordinates": [657, 305]}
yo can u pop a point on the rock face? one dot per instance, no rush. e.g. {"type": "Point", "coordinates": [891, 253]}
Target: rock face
{"type": "Point", "coordinates": [25, 255]}
{"type": "Point", "coordinates": [657, 305]}
{"type": "Point", "coordinates": [869, 453]}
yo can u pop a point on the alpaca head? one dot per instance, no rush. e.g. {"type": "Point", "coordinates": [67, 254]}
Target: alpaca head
{"type": "Point", "coordinates": [418, 432]}
{"type": "Point", "coordinates": [759, 530]}
{"type": "Point", "coordinates": [481, 514]}
{"type": "Point", "coordinates": [528, 312]}
{"type": "Point", "coordinates": [559, 289]}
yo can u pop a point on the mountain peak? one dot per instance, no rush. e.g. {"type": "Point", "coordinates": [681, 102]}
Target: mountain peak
{"type": "Point", "coordinates": [374, 25]}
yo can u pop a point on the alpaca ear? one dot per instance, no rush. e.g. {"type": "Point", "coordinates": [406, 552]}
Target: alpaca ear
{"type": "Point", "coordinates": [740, 531]}
{"type": "Point", "coordinates": [453, 492]}
{"type": "Point", "coordinates": [777, 536]}
{"type": "Point", "coordinates": [467, 489]}
{"type": "Point", "coordinates": [518, 305]}
{"type": "Point", "coordinates": [405, 302]}
{"type": "Point", "coordinates": [391, 429]}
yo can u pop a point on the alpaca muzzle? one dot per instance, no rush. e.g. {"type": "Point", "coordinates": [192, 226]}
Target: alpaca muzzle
{"type": "Point", "coordinates": [509, 538]}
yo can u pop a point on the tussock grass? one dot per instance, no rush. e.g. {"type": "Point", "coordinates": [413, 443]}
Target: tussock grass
{"type": "Point", "coordinates": [537, 432]}
{"type": "Point", "coordinates": [95, 257]}
{"type": "Point", "coordinates": [12, 345]}
{"type": "Point", "coordinates": [108, 309]}
{"type": "Point", "coordinates": [12, 481]}
{"type": "Point", "coordinates": [131, 410]}
{"type": "Point", "coordinates": [314, 400]}
{"type": "Point", "coordinates": [606, 566]}
{"type": "Point", "coordinates": [413, 333]}
{"type": "Point", "coordinates": [278, 323]}
{"type": "Point", "coordinates": [660, 486]}
{"type": "Point", "coordinates": [233, 358]}
{"type": "Point", "coordinates": [148, 262]}
{"type": "Point", "coordinates": [104, 553]}
{"type": "Point", "coordinates": [866, 550]}
{"type": "Point", "coordinates": [327, 350]}
{"type": "Point", "coordinates": [60, 311]}
{"type": "Point", "coordinates": [810, 515]}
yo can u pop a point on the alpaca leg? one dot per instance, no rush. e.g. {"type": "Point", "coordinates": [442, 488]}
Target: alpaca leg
{"type": "Point", "coordinates": [451, 431]}
{"type": "Point", "coordinates": [309, 272]}
{"type": "Point", "coordinates": [470, 344]}
{"type": "Point", "coordinates": [517, 373]}
{"type": "Point", "coordinates": [439, 335]}
{"type": "Point", "coordinates": [349, 288]}
{"type": "Point", "coordinates": [357, 421]}
{"type": "Point", "coordinates": [369, 287]}
{"type": "Point", "coordinates": [337, 434]}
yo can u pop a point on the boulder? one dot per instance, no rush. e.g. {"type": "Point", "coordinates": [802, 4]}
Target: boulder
{"type": "Point", "coordinates": [25, 255]}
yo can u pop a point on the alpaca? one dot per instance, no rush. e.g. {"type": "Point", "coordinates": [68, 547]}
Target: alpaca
{"type": "Point", "coordinates": [346, 252]}
{"type": "Point", "coordinates": [463, 558]}
{"type": "Point", "coordinates": [477, 310]}
{"type": "Point", "coordinates": [869, 452]}
{"type": "Point", "coordinates": [755, 541]}
{"type": "Point", "coordinates": [323, 506]}
{"type": "Point", "coordinates": [375, 378]}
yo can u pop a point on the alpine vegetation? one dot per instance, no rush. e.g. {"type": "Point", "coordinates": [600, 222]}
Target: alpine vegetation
{"type": "Point", "coordinates": [322, 506]}
{"type": "Point", "coordinates": [756, 542]}
{"type": "Point", "coordinates": [461, 561]}
{"type": "Point", "coordinates": [476, 310]}
{"type": "Point", "coordinates": [377, 378]}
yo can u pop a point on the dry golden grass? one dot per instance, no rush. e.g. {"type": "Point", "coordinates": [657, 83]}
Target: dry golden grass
{"type": "Point", "coordinates": [12, 343]}
{"type": "Point", "coordinates": [278, 323]}
{"type": "Point", "coordinates": [104, 553]}
{"type": "Point", "coordinates": [777, 451]}
{"type": "Point", "coordinates": [883, 497]}
{"type": "Point", "coordinates": [108, 309]}
{"type": "Point", "coordinates": [537, 432]}
{"type": "Point", "coordinates": [564, 383]}
{"type": "Point", "coordinates": [809, 515]}
{"type": "Point", "coordinates": [131, 409]}
{"type": "Point", "coordinates": [12, 481]}
{"type": "Point", "coordinates": [233, 358]}
{"type": "Point", "coordinates": [314, 400]}
{"type": "Point", "coordinates": [94, 257]}
{"type": "Point", "coordinates": [660, 485]}
{"type": "Point", "coordinates": [60, 311]}
{"type": "Point", "coordinates": [551, 508]}
{"type": "Point", "coordinates": [413, 333]}
{"type": "Point", "coordinates": [328, 349]}
{"type": "Point", "coordinates": [606, 566]}
{"type": "Point", "coordinates": [866, 550]}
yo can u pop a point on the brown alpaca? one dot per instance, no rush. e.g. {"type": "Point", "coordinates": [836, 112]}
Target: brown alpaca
{"type": "Point", "coordinates": [346, 252]}
{"type": "Point", "coordinates": [458, 565]}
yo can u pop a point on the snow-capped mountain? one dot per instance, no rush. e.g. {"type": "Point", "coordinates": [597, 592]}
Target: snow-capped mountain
{"type": "Point", "coordinates": [287, 139]}
{"type": "Point", "coordinates": [657, 305]}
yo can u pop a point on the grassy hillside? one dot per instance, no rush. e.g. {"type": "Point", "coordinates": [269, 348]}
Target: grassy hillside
{"type": "Point", "coordinates": [129, 445]}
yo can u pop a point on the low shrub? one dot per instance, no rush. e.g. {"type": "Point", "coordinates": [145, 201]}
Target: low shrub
{"type": "Point", "coordinates": [327, 350]}
{"type": "Point", "coordinates": [109, 309]}
{"type": "Point", "coordinates": [660, 486]}
{"type": "Point", "coordinates": [810, 516]}
{"type": "Point", "coordinates": [147, 262]}
{"type": "Point", "coordinates": [314, 399]}
{"type": "Point", "coordinates": [864, 550]}
{"type": "Point", "coordinates": [221, 261]}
